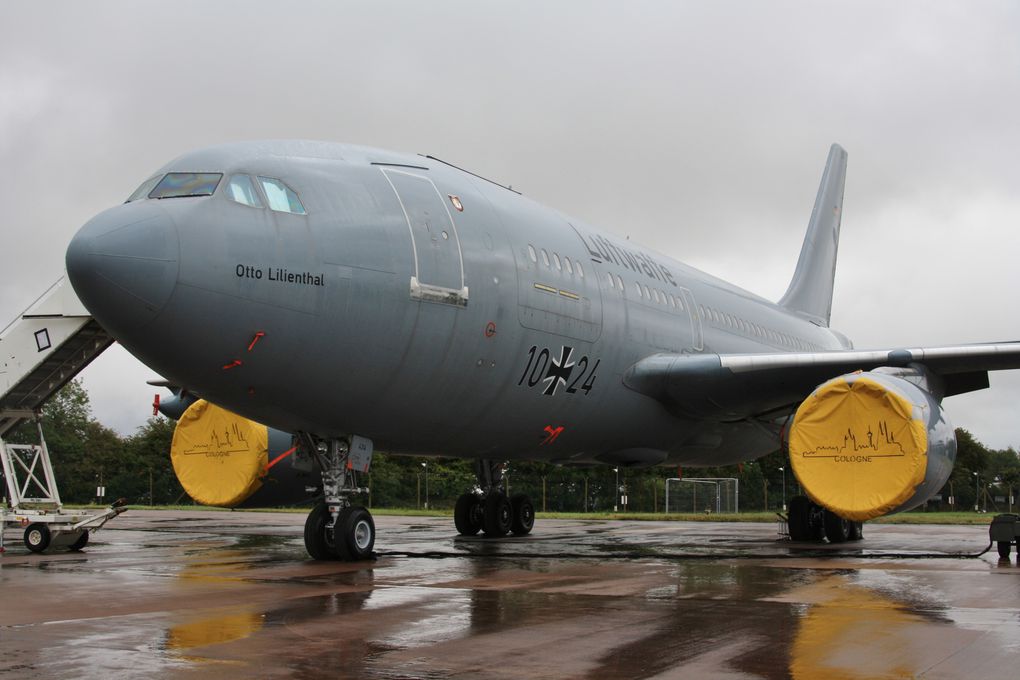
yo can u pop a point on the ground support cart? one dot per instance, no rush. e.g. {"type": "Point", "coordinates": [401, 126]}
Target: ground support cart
{"type": "Point", "coordinates": [34, 505]}
{"type": "Point", "coordinates": [1004, 531]}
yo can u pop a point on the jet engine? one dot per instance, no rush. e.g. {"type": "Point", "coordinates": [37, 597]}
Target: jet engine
{"type": "Point", "coordinates": [225, 460]}
{"type": "Point", "coordinates": [869, 444]}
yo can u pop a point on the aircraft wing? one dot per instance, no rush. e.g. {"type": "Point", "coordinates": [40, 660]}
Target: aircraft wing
{"type": "Point", "coordinates": [735, 386]}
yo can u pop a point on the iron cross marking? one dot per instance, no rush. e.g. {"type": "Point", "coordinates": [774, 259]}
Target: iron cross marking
{"type": "Point", "coordinates": [559, 371]}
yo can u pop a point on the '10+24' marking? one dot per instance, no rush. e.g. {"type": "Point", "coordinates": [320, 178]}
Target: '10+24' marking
{"type": "Point", "coordinates": [544, 368]}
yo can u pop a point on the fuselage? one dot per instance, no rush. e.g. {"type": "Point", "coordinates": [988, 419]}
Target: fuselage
{"type": "Point", "coordinates": [407, 301]}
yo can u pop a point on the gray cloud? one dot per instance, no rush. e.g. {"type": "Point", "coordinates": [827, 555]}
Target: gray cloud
{"type": "Point", "coordinates": [699, 129]}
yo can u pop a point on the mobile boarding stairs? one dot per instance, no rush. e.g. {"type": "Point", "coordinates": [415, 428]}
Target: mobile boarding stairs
{"type": "Point", "coordinates": [40, 352]}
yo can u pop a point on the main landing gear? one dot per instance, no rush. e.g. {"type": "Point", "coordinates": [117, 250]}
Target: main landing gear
{"type": "Point", "coordinates": [335, 528]}
{"type": "Point", "coordinates": [488, 509]}
{"type": "Point", "coordinates": [808, 521]}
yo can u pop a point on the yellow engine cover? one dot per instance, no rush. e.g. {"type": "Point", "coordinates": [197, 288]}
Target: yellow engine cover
{"type": "Point", "coordinates": [219, 457]}
{"type": "Point", "coordinates": [858, 447]}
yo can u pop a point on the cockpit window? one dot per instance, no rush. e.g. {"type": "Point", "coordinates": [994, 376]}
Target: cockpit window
{"type": "Point", "coordinates": [242, 190]}
{"type": "Point", "coordinates": [281, 197]}
{"type": "Point", "coordinates": [143, 191]}
{"type": "Point", "coordinates": [181, 184]}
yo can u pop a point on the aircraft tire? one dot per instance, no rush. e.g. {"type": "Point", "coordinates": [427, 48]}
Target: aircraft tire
{"type": "Point", "coordinates": [467, 514]}
{"type": "Point", "coordinates": [37, 537]}
{"type": "Point", "coordinates": [522, 515]}
{"type": "Point", "coordinates": [1004, 550]}
{"type": "Point", "coordinates": [354, 534]}
{"type": "Point", "coordinates": [498, 515]}
{"type": "Point", "coordinates": [837, 529]}
{"type": "Point", "coordinates": [798, 517]}
{"type": "Point", "coordinates": [319, 539]}
{"type": "Point", "coordinates": [80, 542]}
{"type": "Point", "coordinates": [856, 532]}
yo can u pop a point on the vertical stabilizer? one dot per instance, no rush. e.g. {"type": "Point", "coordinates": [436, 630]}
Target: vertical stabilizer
{"type": "Point", "coordinates": [810, 291]}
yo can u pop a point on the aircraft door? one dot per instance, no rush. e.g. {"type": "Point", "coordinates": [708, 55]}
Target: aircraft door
{"type": "Point", "coordinates": [697, 339]}
{"type": "Point", "coordinates": [438, 261]}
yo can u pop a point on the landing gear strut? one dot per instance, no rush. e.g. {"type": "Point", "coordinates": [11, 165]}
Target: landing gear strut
{"type": "Point", "coordinates": [488, 509]}
{"type": "Point", "coordinates": [336, 528]}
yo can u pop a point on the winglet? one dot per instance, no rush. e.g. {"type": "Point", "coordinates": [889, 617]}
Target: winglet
{"type": "Point", "coordinates": [810, 291]}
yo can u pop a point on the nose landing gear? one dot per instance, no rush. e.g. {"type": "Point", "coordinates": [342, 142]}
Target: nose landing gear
{"type": "Point", "coordinates": [336, 528]}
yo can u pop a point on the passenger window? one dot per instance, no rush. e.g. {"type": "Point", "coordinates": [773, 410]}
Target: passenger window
{"type": "Point", "coordinates": [545, 257]}
{"type": "Point", "coordinates": [648, 293]}
{"type": "Point", "coordinates": [566, 263]}
{"type": "Point", "coordinates": [619, 282]}
{"type": "Point", "coordinates": [638, 286]}
{"type": "Point", "coordinates": [185, 184]}
{"type": "Point", "coordinates": [242, 190]}
{"type": "Point", "coordinates": [281, 197]}
{"type": "Point", "coordinates": [556, 259]}
{"type": "Point", "coordinates": [580, 271]}
{"type": "Point", "coordinates": [531, 253]}
{"type": "Point", "coordinates": [609, 278]}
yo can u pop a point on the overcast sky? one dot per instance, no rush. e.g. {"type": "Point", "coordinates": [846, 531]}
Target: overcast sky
{"type": "Point", "coordinates": [699, 129]}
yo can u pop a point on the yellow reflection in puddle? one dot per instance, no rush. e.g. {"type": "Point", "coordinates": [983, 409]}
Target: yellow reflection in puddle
{"type": "Point", "coordinates": [212, 631]}
{"type": "Point", "coordinates": [852, 633]}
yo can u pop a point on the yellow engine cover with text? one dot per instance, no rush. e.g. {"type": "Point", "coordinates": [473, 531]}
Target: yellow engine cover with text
{"type": "Point", "coordinates": [219, 457]}
{"type": "Point", "coordinates": [858, 448]}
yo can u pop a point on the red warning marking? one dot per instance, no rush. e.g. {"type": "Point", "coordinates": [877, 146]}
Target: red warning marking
{"type": "Point", "coordinates": [490, 329]}
{"type": "Point", "coordinates": [233, 364]}
{"type": "Point", "coordinates": [258, 336]}
{"type": "Point", "coordinates": [551, 434]}
{"type": "Point", "coordinates": [155, 405]}
{"type": "Point", "coordinates": [279, 458]}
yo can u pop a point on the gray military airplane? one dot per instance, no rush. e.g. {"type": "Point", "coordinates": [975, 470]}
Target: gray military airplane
{"type": "Point", "coordinates": [362, 299]}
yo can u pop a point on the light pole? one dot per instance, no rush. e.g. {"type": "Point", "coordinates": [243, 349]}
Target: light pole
{"type": "Point", "coordinates": [616, 496]}
{"type": "Point", "coordinates": [977, 490]}
{"type": "Point", "coordinates": [426, 466]}
{"type": "Point", "coordinates": [783, 470]}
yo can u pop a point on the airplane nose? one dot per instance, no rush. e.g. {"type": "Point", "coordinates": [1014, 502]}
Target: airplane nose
{"type": "Point", "coordinates": [123, 264]}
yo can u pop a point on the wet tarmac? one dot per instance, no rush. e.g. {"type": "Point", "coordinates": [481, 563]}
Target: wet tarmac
{"type": "Point", "coordinates": [233, 595]}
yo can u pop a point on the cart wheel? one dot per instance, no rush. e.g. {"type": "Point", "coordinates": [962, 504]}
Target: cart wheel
{"type": "Point", "coordinates": [1004, 549]}
{"type": "Point", "coordinates": [81, 541]}
{"type": "Point", "coordinates": [37, 537]}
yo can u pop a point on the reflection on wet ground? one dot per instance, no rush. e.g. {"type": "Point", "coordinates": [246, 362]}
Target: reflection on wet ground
{"type": "Point", "coordinates": [205, 594]}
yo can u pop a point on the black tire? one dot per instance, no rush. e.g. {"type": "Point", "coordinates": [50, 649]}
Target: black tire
{"type": "Point", "coordinates": [522, 515]}
{"type": "Point", "coordinates": [856, 532]}
{"type": "Point", "coordinates": [37, 537]}
{"type": "Point", "coordinates": [354, 534]}
{"type": "Point", "coordinates": [467, 514]}
{"type": "Point", "coordinates": [318, 538]}
{"type": "Point", "coordinates": [81, 541]}
{"type": "Point", "coordinates": [798, 518]}
{"type": "Point", "coordinates": [1004, 549]}
{"type": "Point", "coordinates": [498, 515]}
{"type": "Point", "coordinates": [837, 529]}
